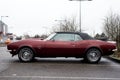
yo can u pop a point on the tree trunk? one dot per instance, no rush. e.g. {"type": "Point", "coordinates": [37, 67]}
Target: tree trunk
{"type": "Point", "coordinates": [118, 46]}
{"type": "Point", "coordinates": [118, 43]}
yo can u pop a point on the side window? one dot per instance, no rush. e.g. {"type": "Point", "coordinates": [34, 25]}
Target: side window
{"type": "Point", "coordinates": [64, 37]}
{"type": "Point", "coordinates": [77, 37]}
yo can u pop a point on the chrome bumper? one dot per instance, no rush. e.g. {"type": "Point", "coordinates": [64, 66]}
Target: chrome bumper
{"type": "Point", "coordinates": [9, 50]}
{"type": "Point", "coordinates": [114, 50]}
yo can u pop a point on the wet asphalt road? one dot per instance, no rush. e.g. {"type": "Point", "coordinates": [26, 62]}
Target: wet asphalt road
{"type": "Point", "coordinates": [56, 69]}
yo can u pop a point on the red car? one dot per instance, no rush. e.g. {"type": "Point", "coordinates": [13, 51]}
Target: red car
{"type": "Point", "coordinates": [62, 44]}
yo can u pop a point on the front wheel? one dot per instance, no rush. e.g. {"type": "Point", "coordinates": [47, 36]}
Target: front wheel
{"type": "Point", "coordinates": [26, 54]}
{"type": "Point", "coordinates": [93, 55]}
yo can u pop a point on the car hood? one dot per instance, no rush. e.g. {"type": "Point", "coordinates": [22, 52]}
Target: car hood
{"type": "Point", "coordinates": [27, 42]}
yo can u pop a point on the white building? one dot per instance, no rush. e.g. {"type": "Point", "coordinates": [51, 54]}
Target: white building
{"type": "Point", "coordinates": [3, 31]}
{"type": "Point", "coordinates": [3, 28]}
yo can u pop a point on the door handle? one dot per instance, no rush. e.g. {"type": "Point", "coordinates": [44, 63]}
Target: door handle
{"type": "Point", "coordinates": [73, 45]}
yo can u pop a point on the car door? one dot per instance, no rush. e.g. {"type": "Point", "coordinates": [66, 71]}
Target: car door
{"type": "Point", "coordinates": [61, 45]}
{"type": "Point", "coordinates": [80, 45]}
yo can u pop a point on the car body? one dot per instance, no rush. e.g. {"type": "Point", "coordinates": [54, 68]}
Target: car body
{"type": "Point", "coordinates": [62, 44]}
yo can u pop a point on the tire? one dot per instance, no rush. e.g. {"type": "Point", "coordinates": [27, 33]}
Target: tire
{"type": "Point", "coordinates": [26, 54]}
{"type": "Point", "coordinates": [93, 55]}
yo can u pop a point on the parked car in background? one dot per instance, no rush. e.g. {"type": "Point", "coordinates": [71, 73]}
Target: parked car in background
{"type": "Point", "coordinates": [62, 44]}
{"type": "Point", "coordinates": [5, 40]}
{"type": "Point", "coordinates": [8, 41]}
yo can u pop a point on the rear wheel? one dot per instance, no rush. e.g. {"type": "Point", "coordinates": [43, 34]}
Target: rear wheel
{"type": "Point", "coordinates": [93, 55]}
{"type": "Point", "coordinates": [26, 54]}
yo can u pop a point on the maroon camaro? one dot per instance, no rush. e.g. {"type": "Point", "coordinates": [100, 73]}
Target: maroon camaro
{"type": "Point", "coordinates": [62, 44]}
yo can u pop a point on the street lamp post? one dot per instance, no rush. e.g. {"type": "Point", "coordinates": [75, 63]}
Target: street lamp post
{"type": "Point", "coordinates": [80, 11]}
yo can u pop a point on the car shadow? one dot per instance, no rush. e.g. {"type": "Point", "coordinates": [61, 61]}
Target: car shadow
{"type": "Point", "coordinates": [51, 60]}
{"type": "Point", "coordinates": [59, 61]}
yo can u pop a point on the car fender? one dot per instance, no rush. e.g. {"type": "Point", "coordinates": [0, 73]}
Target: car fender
{"type": "Point", "coordinates": [29, 46]}
{"type": "Point", "coordinates": [97, 47]}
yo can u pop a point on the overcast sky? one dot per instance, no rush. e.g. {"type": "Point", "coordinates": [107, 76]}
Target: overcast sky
{"type": "Point", "coordinates": [38, 16]}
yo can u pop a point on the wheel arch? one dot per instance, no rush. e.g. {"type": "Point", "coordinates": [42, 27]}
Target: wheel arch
{"type": "Point", "coordinates": [95, 48]}
{"type": "Point", "coordinates": [30, 47]}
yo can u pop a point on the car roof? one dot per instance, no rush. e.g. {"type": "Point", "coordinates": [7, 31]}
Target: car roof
{"type": "Point", "coordinates": [80, 33]}
{"type": "Point", "coordinates": [70, 32]}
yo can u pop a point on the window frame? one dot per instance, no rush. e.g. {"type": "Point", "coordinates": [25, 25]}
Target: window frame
{"type": "Point", "coordinates": [74, 38]}
{"type": "Point", "coordinates": [63, 40]}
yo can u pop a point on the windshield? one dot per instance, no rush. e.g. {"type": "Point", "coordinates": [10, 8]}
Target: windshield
{"type": "Point", "coordinates": [49, 37]}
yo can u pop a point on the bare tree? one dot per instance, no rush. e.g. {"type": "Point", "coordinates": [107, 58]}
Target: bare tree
{"type": "Point", "coordinates": [112, 28]}
{"type": "Point", "coordinates": [26, 36]}
{"type": "Point", "coordinates": [65, 25]}
{"type": "Point", "coordinates": [101, 36]}
{"type": "Point", "coordinates": [37, 36]}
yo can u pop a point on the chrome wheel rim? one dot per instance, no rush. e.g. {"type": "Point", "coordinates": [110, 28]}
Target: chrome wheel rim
{"type": "Point", "coordinates": [94, 55]}
{"type": "Point", "coordinates": [26, 54]}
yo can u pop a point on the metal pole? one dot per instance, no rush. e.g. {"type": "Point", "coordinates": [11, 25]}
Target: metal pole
{"type": "Point", "coordinates": [80, 18]}
{"type": "Point", "coordinates": [80, 12]}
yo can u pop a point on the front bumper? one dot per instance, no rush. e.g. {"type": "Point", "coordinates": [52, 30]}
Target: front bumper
{"type": "Point", "coordinates": [9, 50]}
{"type": "Point", "coordinates": [114, 50]}
{"type": "Point", "coordinates": [13, 52]}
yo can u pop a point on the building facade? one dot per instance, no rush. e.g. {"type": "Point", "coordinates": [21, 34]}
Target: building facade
{"type": "Point", "coordinates": [3, 31]}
